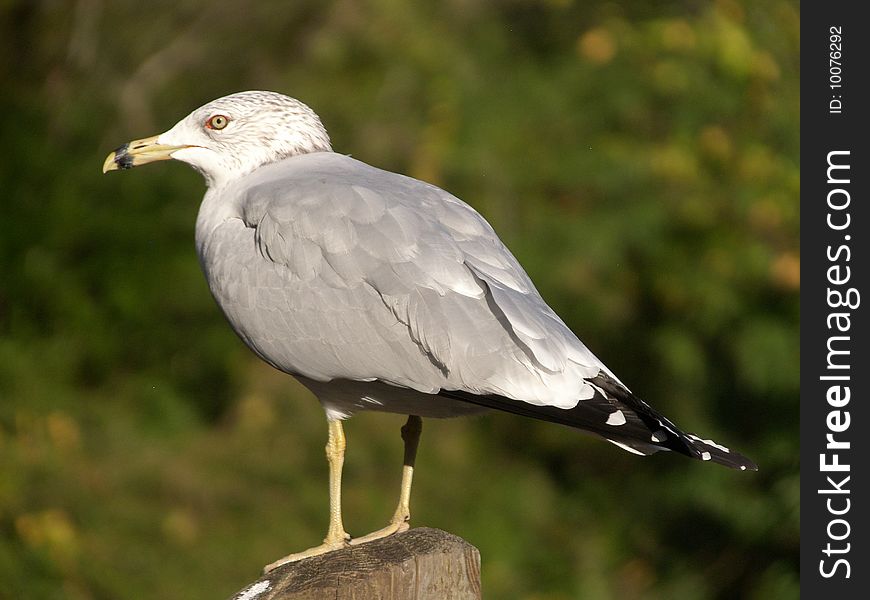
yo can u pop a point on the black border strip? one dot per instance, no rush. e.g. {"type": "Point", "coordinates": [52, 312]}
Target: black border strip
{"type": "Point", "coordinates": [835, 225]}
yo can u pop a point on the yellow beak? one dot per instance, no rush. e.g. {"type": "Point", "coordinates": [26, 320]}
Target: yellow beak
{"type": "Point", "coordinates": [138, 152]}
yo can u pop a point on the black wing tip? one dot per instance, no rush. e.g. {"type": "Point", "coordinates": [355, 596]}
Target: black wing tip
{"type": "Point", "coordinates": [673, 437]}
{"type": "Point", "coordinates": [710, 451]}
{"type": "Point", "coordinates": [650, 431]}
{"type": "Point", "coordinates": [735, 461]}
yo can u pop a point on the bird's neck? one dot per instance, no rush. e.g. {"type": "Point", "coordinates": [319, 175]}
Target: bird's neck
{"type": "Point", "coordinates": [214, 210]}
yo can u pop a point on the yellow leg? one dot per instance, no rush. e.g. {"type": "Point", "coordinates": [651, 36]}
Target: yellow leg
{"type": "Point", "coordinates": [336, 537]}
{"type": "Point", "coordinates": [411, 436]}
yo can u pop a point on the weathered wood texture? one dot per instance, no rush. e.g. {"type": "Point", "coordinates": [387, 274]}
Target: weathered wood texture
{"type": "Point", "coordinates": [420, 564]}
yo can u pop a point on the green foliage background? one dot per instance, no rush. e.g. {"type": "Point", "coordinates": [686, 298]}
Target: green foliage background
{"type": "Point", "coordinates": [640, 158]}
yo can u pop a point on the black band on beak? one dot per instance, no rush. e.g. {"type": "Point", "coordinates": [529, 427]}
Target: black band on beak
{"type": "Point", "coordinates": [123, 158]}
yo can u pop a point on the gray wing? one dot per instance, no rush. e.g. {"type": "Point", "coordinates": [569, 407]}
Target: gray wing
{"type": "Point", "coordinates": [351, 272]}
{"type": "Point", "coordinates": [334, 270]}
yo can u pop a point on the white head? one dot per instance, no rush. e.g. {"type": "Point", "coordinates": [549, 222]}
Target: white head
{"type": "Point", "coordinates": [231, 136]}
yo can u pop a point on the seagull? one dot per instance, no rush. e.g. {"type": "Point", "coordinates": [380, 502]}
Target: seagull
{"type": "Point", "coordinates": [381, 292]}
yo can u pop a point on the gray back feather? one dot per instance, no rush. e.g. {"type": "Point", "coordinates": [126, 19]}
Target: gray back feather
{"type": "Point", "coordinates": [332, 269]}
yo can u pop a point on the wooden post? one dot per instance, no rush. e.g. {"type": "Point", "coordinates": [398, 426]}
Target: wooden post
{"type": "Point", "coordinates": [419, 564]}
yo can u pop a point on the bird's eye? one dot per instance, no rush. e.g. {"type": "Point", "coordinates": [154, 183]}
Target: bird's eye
{"type": "Point", "coordinates": [217, 122]}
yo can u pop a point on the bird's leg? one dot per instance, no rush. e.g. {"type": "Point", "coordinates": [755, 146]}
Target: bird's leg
{"type": "Point", "coordinates": [411, 436]}
{"type": "Point", "coordinates": [336, 537]}
{"type": "Point", "coordinates": [335, 445]}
